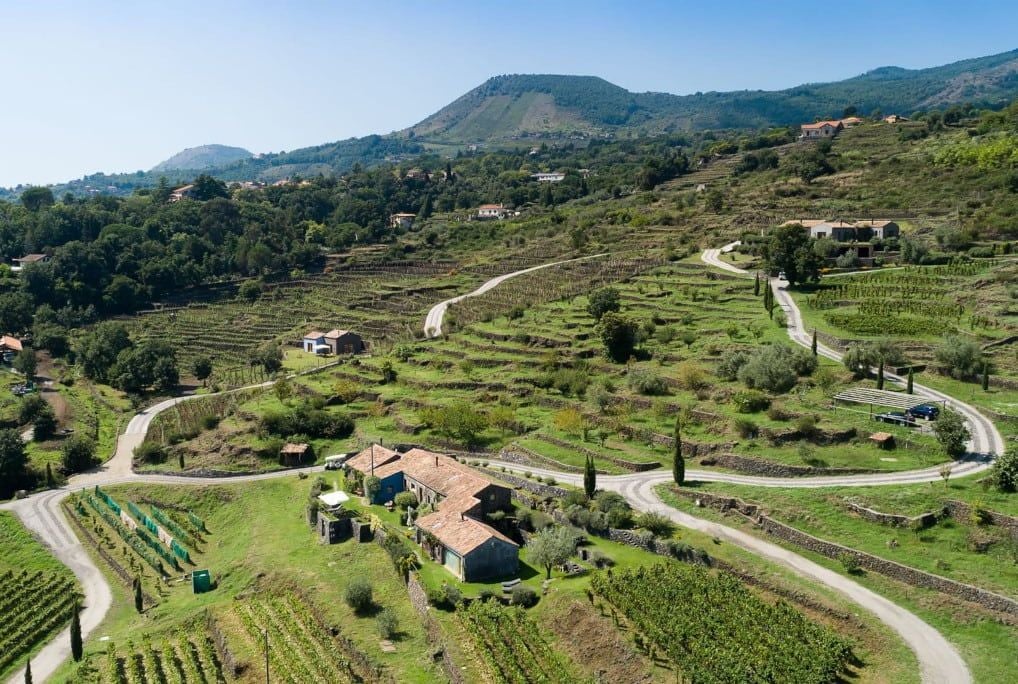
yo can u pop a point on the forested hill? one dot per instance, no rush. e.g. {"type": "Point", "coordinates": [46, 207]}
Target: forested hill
{"type": "Point", "coordinates": [515, 106]}
{"type": "Point", "coordinates": [521, 110]}
{"type": "Point", "coordinates": [203, 157]}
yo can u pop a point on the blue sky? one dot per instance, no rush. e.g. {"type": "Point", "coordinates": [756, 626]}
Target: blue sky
{"type": "Point", "coordinates": [119, 86]}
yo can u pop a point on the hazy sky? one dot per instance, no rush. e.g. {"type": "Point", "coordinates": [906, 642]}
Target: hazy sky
{"type": "Point", "coordinates": [120, 86]}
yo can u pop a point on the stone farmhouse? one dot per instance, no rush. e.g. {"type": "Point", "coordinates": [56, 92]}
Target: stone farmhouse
{"type": "Point", "coordinates": [491, 211]}
{"type": "Point", "coordinates": [454, 533]}
{"type": "Point", "coordinates": [402, 220]}
{"type": "Point", "coordinates": [333, 342]}
{"type": "Point", "coordinates": [820, 130]}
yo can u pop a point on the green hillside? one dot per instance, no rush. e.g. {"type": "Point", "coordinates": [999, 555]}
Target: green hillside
{"type": "Point", "coordinates": [203, 157]}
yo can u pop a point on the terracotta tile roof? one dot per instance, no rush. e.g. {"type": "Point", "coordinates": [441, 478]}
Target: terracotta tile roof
{"type": "Point", "coordinates": [314, 334]}
{"type": "Point", "coordinates": [835, 224]}
{"type": "Point", "coordinates": [335, 334]}
{"type": "Point", "coordinates": [821, 124]}
{"type": "Point", "coordinates": [805, 223]}
{"type": "Point", "coordinates": [490, 206]}
{"type": "Point", "coordinates": [874, 223]}
{"type": "Point", "coordinates": [362, 461]}
{"type": "Point", "coordinates": [31, 258]}
{"type": "Point", "coordinates": [457, 531]}
{"type": "Point", "coordinates": [12, 343]}
{"type": "Point", "coordinates": [445, 475]}
{"type": "Point", "coordinates": [291, 448]}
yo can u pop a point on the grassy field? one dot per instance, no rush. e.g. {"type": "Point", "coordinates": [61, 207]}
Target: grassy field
{"type": "Point", "coordinates": [986, 645]}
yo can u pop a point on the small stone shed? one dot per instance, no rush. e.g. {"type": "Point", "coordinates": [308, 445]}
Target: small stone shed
{"type": "Point", "coordinates": [884, 440]}
{"type": "Point", "coordinates": [296, 454]}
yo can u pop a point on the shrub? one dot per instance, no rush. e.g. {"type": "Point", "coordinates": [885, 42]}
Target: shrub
{"type": "Point", "coordinates": [388, 624]}
{"type": "Point", "coordinates": [358, 595]}
{"type": "Point", "coordinates": [780, 319]}
{"type": "Point", "coordinates": [405, 500]}
{"type": "Point", "coordinates": [646, 382]}
{"type": "Point", "coordinates": [850, 562]}
{"type": "Point", "coordinates": [959, 357]}
{"type": "Point", "coordinates": [149, 452]}
{"type": "Point", "coordinates": [77, 453]}
{"type": "Point", "coordinates": [209, 422]}
{"type": "Point", "coordinates": [778, 412]}
{"type": "Point", "coordinates": [774, 368]}
{"type": "Point", "coordinates": [603, 301]}
{"type": "Point", "coordinates": [807, 427]}
{"type": "Point", "coordinates": [731, 363]}
{"type": "Point", "coordinates": [952, 433]}
{"type": "Point", "coordinates": [524, 596]}
{"type": "Point", "coordinates": [691, 376]}
{"type": "Point", "coordinates": [453, 596]}
{"type": "Point", "coordinates": [1004, 473]}
{"type": "Point", "coordinates": [746, 428]}
{"type": "Point", "coordinates": [750, 401]}
{"type": "Point", "coordinates": [656, 524]}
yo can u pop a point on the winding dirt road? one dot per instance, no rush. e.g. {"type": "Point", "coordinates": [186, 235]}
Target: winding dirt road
{"type": "Point", "coordinates": [939, 661]}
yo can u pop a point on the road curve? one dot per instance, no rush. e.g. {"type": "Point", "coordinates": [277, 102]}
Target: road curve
{"type": "Point", "coordinates": [433, 321]}
{"type": "Point", "coordinates": [939, 661]}
{"type": "Point", "coordinates": [985, 445]}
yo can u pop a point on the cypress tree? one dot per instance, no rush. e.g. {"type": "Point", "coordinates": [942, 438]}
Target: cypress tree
{"type": "Point", "coordinates": [589, 478]}
{"type": "Point", "coordinates": [76, 645]}
{"type": "Point", "coordinates": [49, 475]}
{"type": "Point", "coordinates": [986, 376]}
{"type": "Point", "coordinates": [180, 459]}
{"type": "Point", "coordinates": [756, 284]}
{"type": "Point", "coordinates": [28, 672]}
{"type": "Point", "coordinates": [880, 375]}
{"type": "Point", "coordinates": [678, 464]}
{"type": "Point", "coordinates": [139, 604]}
{"type": "Point", "coordinates": [813, 346]}
{"type": "Point", "coordinates": [908, 387]}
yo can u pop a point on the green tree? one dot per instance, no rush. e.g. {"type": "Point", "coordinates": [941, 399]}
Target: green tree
{"type": "Point", "coordinates": [44, 424]}
{"type": "Point", "coordinates": [25, 363]}
{"type": "Point", "coordinates": [603, 301]}
{"type": "Point", "coordinates": [139, 603]}
{"type": "Point", "coordinates": [269, 357]}
{"type": "Point", "coordinates": [202, 368]}
{"type": "Point", "coordinates": [77, 454]}
{"type": "Point", "coordinates": [76, 644]}
{"type": "Point", "coordinates": [618, 334]}
{"type": "Point", "coordinates": [28, 672]}
{"type": "Point", "coordinates": [98, 349]}
{"type": "Point", "coordinates": [1004, 473]}
{"type": "Point", "coordinates": [756, 284]}
{"type": "Point", "coordinates": [910, 385]}
{"type": "Point", "coordinates": [372, 485]}
{"type": "Point", "coordinates": [250, 290]}
{"type": "Point", "coordinates": [206, 187]}
{"type": "Point", "coordinates": [986, 376]}
{"type": "Point", "coordinates": [880, 375]}
{"type": "Point", "coordinates": [952, 433]}
{"type": "Point", "coordinates": [37, 198]}
{"type": "Point", "coordinates": [589, 477]}
{"type": "Point", "coordinates": [678, 462]}
{"type": "Point", "coordinates": [459, 421]}
{"type": "Point", "coordinates": [813, 344]}
{"type": "Point", "coordinates": [789, 250]}
{"type": "Point", "coordinates": [50, 482]}
{"type": "Point", "coordinates": [388, 372]}
{"type": "Point", "coordinates": [552, 546]}
{"type": "Point", "coordinates": [359, 595]}
{"type": "Point", "coordinates": [12, 459]}
{"type": "Point", "coordinates": [959, 357]}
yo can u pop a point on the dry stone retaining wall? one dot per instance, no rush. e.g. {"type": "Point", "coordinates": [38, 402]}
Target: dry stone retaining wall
{"type": "Point", "coordinates": [753, 466]}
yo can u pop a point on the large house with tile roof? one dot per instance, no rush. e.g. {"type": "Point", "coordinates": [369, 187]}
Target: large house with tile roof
{"type": "Point", "coordinates": [454, 533]}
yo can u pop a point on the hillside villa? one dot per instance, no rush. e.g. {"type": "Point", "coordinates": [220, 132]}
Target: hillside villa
{"type": "Point", "coordinates": [21, 262]}
{"type": "Point", "coordinates": [850, 235]}
{"type": "Point", "coordinates": [548, 177]}
{"type": "Point", "coordinates": [333, 342]}
{"type": "Point", "coordinates": [454, 532]}
{"type": "Point", "coordinates": [820, 130]}
{"type": "Point", "coordinates": [402, 220]}
{"type": "Point", "coordinates": [491, 211]}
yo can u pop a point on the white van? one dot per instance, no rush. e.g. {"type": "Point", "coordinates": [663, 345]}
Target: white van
{"type": "Point", "coordinates": [335, 462]}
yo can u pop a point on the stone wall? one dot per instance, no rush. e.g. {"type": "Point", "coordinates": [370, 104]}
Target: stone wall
{"type": "Point", "coordinates": [923, 520]}
{"type": "Point", "coordinates": [514, 453]}
{"type": "Point", "coordinates": [897, 571]}
{"type": "Point", "coordinates": [524, 483]}
{"type": "Point", "coordinates": [230, 663]}
{"type": "Point", "coordinates": [754, 466]}
{"type": "Point", "coordinates": [960, 509]}
{"type": "Point", "coordinates": [622, 463]}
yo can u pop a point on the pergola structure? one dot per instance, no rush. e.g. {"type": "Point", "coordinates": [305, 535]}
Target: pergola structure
{"type": "Point", "coordinates": [875, 397]}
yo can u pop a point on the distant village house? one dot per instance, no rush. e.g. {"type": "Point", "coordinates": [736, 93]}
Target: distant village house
{"type": "Point", "coordinates": [183, 192]}
{"type": "Point", "coordinates": [491, 211]}
{"type": "Point", "coordinates": [402, 221]}
{"type": "Point", "coordinates": [548, 177]}
{"type": "Point", "coordinates": [821, 130]}
{"type": "Point", "coordinates": [21, 262]}
{"type": "Point", "coordinates": [333, 342]}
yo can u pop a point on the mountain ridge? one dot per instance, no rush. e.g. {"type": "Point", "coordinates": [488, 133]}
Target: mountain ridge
{"type": "Point", "coordinates": [521, 109]}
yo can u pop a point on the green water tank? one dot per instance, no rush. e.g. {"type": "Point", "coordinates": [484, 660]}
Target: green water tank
{"type": "Point", "coordinates": [201, 581]}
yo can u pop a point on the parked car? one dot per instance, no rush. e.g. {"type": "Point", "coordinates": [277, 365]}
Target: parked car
{"type": "Point", "coordinates": [924, 411]}
{"type": "Point", "coordinates": [336, 462]}
{"type": "Point", "coordinates": [895, 418]}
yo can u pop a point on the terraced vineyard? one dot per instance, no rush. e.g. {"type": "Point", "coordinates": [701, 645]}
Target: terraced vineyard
{"type": "Point", "coordinates": [190, 657]}
{"type": "Point", "coordinates": [301, 649]}
{"type": "Point", "coordinates": [383, 303]}
{"type": "Point", "coordinates": [34, 607]}
{"type": "Point", "coordinates": [512, 647]}
{"type": "Point", "coordinates": [731, 636]}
